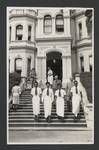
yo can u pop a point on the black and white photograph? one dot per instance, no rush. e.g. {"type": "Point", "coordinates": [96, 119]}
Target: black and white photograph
{"type": "Point", "coordinates": [50, 75]}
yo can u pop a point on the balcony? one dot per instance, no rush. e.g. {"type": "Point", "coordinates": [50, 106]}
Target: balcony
{"type": "Point", "coordinates": [20, 44]}
{"type": "Point", "coordinates": [22, 12]}
{"type": "Point", "coordinates": [83, 42]}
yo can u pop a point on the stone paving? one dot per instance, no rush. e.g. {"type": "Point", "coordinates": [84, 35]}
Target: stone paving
{"type": "Point", "coordinates": [50, 137]}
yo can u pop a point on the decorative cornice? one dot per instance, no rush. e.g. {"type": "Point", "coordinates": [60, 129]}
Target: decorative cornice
{"type": "Point", "coordinates": [22, 47]}
{"type": "Point", "coordinates": [22, 15]}
{"type": "Point", "coordinates": [54, 39]}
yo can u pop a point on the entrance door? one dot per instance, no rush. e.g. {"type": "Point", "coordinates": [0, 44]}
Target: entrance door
{"type": "Point", "coordinates": [54, 61]}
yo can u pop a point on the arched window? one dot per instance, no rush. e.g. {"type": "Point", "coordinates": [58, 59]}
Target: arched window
{"type": "Point", "coordinates": [82, 63]}
{"type": "Point", "coordinates": [29, 33]}
{"type": "Point", "coordinates": [59, 23]}
{"type": "Point", "coordinates": [18, 65]}
{"type": "Point", "coordinates": [47, 24]}
{"type": "Point", "coordinates": [10, 29]}
{"type": "Point", "coordinates": [80, 30]}
{"type": "Point", "coordinates": [19, 32]}
{"type": "Point", "coordinates": [90, 63]}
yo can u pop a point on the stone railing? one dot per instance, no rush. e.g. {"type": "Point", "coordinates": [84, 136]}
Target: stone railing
{"type": "Point", "coordinates": [17, 12]}
{"type": "Point", "coordinates": [88, 109]}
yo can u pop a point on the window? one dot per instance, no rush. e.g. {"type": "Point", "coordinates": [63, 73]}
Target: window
{"type": "Point", "coordinates": [47, 24]}
{"type": "Point", "coordinates": [59, 23]}
{"type": "Point", "coordinates": [90, 63]}
{"type": "Point", "coordinates": [19, 32]}
{"type": "Point", "coordinates": [82, 63]}
{"type": "Point", "coordinates": [9, 65]}
{"type": "Point", "coordinates": [18, 64]}
{"type": "Point", "coordinates": [80, 30]}
{"type": "Point", "coordinates": [10, 33]}
{"type": "Point", "coordinates": [29, 33]}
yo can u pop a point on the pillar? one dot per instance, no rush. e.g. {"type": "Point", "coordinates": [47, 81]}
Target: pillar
{"type": "Point", "coordinates": [25, 32]}
{"type": "Point", "coordinates": [32, 61]}
{"type": "Point", "coordinates": [86, 63]}
{"type": "Point", "coordinates": [13, 33]}
{"type": "Point", "coordinates": [67, 26]}
{"type": "Point", "coordinates": [66, 68]}
{"type": "Point", "coordinates": [43, 70]}
{"type": "Point", "coordinates": [12, 65]}
{"type": "Point", "coordinates": [39, 68]}
{"type": "Point", "coordinates": [24, 68]}
{"type": "Point", "coordinates": [33, 32]}
{"type": "Point", "coordinates": [53, 26]}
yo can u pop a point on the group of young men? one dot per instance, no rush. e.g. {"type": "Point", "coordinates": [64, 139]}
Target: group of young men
{"type": "Point", "coordinates": [52, 95]}
{"type": "Point", "coordinates": [48, 97]}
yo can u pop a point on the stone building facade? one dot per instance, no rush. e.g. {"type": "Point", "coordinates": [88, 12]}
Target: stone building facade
{"type": "Point", "coordinates": [56, 37]}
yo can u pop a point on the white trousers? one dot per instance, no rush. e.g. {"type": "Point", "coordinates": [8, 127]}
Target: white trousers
{"type": "Point", "coordinates": [60, 106]}
{"type": "Point", "coordinates": [47, 106]}
{"type": "Point", "coordinates": [36, 105]}
{"type": "Point", "coordinates": [76, 104]}
{"type": "Point", "coordinates": [15, 98]}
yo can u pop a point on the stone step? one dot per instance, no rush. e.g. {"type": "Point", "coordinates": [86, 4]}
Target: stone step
{"type": "Point", "coordinates": [45, 124]}
{"type": "Point", "coordinates": [31, 113]}
{"type": "Point", "coordinates": [40, 116]}
{"type": "Point", "coordinates": [30, 120]}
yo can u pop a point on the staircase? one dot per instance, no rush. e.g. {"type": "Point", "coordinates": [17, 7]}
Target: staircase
{"type": "Point", "coordinates": [23, 118]}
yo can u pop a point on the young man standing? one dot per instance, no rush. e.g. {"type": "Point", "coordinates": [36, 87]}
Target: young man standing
{"type": "Point", "coordinates": [76, 95]}
{"type": "Point", "coordinates": [50, 76]}
{"type": "Point", "coordinates": [36, 94]}
{"type": "Point", "coordinates": [47, 98]}
{"type": "Point", "coordinates": [59, 96]}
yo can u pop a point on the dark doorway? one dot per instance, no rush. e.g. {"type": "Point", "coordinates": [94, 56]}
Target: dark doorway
{"type": "Point", "coordinates": [28, 66]}
{"type": "Point", "coordinates": [54, 61]}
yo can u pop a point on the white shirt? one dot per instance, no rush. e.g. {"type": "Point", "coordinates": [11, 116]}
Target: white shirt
{"type": "Point", "coordinates": [73, 90]}
{"type": "Point", "coordinates": [39, 92]}
{"type": "Point", "coordinates": [44, 94]}
{"type": "Point", "coordinates": [63, 93]}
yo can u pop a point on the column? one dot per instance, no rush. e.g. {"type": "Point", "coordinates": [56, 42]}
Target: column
{"type": "Point", "coordinates": [32, 61]}
{"type": "Point", "coordinates": [69, 67]}
{"type": "Point", "coordinates": [12, 65]}
{"type": "Point", "coordinates": [25, 32]}
{"type": "Point", "coordinates": [86, 63]}
{"type": "Point", "coordinates": [39, 68]}
{"type": "Point", "coordinates": [66, 68]}
{"type": "Point", "coordinates": [24, 67]}
{"type": "Point", "coordinates": [53, 26]}
{"type": "Point", "coordinates": [43, 70]}
{"type": "Point", "coordinates": [13, 33]}
{"type": "Point", "coordinates": [33, 32]}
{"type": "Point", "coordinates": [84, 28]}
{"type": "Point", "coordinates": [67, 26]}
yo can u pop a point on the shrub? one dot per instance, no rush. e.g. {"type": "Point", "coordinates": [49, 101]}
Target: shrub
{"type": "Point", "coordinates": [13, 77]}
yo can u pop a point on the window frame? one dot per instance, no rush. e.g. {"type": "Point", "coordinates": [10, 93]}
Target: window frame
{"type": "Point", "coordinates": [29, 32]}
{"type": "Point", "coordinates": [19, 35]}
{"type": "Point", "coordinates": [79, 31]}
{"type": "Point", "coordinates": [47, 26]}
{"type": "Point", "coordinates": [82, 66]}
{"type": "Point", "coordinates": [62, 18]}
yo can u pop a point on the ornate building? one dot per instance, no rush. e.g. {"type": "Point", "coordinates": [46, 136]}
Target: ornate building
{"type": "Point", "coordinates": [57, 38]}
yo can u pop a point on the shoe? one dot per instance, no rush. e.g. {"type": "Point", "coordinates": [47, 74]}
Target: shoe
{"type": "Point", "coordinates": [49, 119]}
{"type": "Point", "coordinates": [36, 118]}
{"type": "Point", "coordinates": [62, 119]}
{"type": "Point", "coordinates": [75, 119]}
